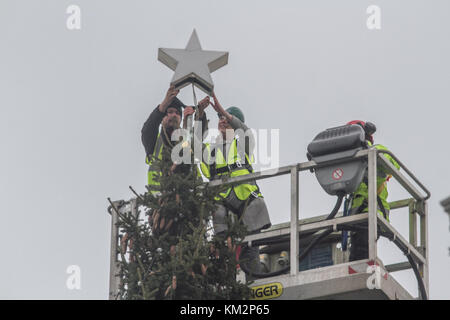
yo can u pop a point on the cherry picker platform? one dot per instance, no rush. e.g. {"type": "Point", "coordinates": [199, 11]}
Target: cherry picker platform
{"type": "Point", "coordinates": [328, 274]}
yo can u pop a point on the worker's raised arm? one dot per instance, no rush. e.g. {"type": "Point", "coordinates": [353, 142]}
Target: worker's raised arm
{"type": "Point", "coordinates": [149, 132]}
{"type": "Point", "coordinates": [200, 115]}
{"type": "Point", "coordinates": [170, 95]}
{"type": "Point", "coordinates": [219, 109]}
{"type": "Point", "coordinates": [241, 129]}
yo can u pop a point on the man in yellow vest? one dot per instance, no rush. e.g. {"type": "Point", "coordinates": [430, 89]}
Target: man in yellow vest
{"type": "Point", "coordinates": [167, 114]}
{"type": "Point", "coordinates": [359, 240]}
{"type": "Point", "coordinates": [232, 156]}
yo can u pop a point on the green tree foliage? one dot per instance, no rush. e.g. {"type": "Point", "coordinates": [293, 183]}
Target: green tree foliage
{"type": "Point", "coordinates": [171, 252]}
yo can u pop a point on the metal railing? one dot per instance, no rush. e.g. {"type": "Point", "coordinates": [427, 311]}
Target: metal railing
{"type": "Point", "coordinates": [417, 206]}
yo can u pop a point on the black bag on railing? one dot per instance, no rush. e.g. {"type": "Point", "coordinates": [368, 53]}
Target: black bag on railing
{"type": "Point", "coordinates": [339, 143]}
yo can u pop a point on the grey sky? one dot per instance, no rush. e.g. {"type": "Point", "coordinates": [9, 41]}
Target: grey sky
{"type": "Point", "coordinates": [72, 104]}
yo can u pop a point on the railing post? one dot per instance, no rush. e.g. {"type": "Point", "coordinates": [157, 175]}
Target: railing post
{"type": "Point", "coordinates": [294, 252]}
{"type": "Point", "coordinates": [423, 268]}
{"type": "Point", "coordinates": [114, 263]}
{"type": "Point", "coordinates": [372, 223]}
{"type": "Point", "coordinates": [412, 223]}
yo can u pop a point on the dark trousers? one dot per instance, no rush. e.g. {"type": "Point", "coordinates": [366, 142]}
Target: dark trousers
{"type": "Point", "coordinates": [359, 248]}
{"type": "Point", "coordinates": [251, 258]}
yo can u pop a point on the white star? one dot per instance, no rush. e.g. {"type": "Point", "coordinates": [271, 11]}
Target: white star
{"type": "Point", "coordinates": [193, 65]}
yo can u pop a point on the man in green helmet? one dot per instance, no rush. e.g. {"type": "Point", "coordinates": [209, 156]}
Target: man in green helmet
{"type": "Point", "coordinates": [232, 156]}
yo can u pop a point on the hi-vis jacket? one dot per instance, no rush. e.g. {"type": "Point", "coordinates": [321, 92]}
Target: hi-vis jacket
{"type": "Point", "coordinates": [154, 141]}
{"type": "Point", "coordinates": [157, 154]}
{"type": "Point", "coordinates": [236, 161]}
{"type": "Point", "coordinates": [361, 195]}
{"type": "Point", "coordinates": [234, 165]}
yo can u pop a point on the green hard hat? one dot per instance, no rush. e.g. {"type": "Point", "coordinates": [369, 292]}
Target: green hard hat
{"type": "Point", "coordinates": [235, 111]}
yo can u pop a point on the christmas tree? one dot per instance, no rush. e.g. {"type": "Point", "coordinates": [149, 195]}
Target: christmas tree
{"type": "Point", "coordinates": [171, 251]}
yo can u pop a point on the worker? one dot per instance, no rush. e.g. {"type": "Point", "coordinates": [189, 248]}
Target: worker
{"type": "Point", "coordinates": [359, 240]}
{"type": "Point", "coordinates": [168, 113]}
{"type": "Point", "coordinates": [226, 158]}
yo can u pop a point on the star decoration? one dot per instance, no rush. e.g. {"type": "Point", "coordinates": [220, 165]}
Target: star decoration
{"type": "Point", "coordinates": [193, 65]}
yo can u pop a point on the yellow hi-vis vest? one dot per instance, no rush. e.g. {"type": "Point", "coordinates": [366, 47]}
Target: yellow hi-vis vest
{"type": "Point", "coordinates": [362, 193]}
{"type": "Point", "coordinates": [157, 153]}
{"type": "Point", "coordinates": [239, 168]}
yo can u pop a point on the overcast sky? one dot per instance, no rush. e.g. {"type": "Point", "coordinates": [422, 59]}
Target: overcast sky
{"type": "Point", "coordinates": [73, 102]}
